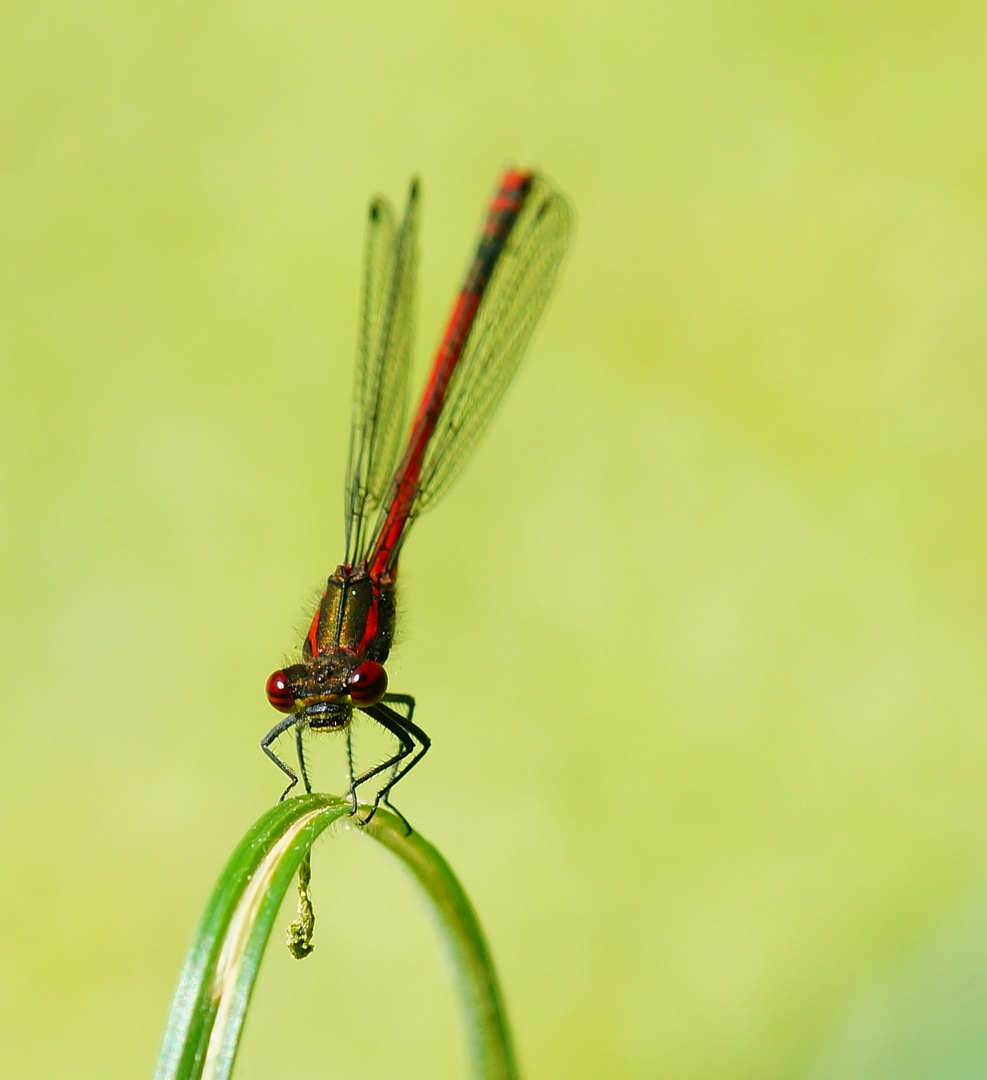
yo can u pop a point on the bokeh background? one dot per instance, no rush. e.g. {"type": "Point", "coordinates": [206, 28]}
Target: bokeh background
{"type": "Point", "coordinates": [700, 633]}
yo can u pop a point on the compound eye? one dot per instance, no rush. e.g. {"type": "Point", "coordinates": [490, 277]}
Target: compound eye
{"type": "Point", "coordinates": [279, 692]}
{"type": "Point", "coordinates": [367, 683]}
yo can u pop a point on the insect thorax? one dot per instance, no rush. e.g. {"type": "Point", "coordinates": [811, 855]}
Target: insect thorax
{"type": "Point", "coordinates": [355, 614]}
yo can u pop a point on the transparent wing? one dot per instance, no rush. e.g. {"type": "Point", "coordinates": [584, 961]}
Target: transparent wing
{"type": "Point", "coordinates": [505, 320]}
{"type": "Point", "coordinates": [380, 390]}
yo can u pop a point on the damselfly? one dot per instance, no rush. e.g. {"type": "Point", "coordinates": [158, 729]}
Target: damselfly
{"type": "Point", "coordinates": [501, 300]}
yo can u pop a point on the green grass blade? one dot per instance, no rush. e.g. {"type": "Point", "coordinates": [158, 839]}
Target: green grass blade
{"type": "Point", "coordinates": [488, 1035]}
{"type": "Point", "coordinates": [214, 988]}
{"type": "Point", "coordinates": [221, 967]}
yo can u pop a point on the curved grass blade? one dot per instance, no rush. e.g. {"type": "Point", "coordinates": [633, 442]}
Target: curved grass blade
{"type": "Point", "coordinates": [213, 994]}
{"type": "Point", "coordinates": [488, 1035]}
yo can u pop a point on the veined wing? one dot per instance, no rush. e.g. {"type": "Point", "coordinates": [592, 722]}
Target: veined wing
{"type": "Point", "coordinates": [512, 304]}
{"type": "Point", "coordinates": [380, 389]}
{"type": "Point", "coordinates": [505, 292]}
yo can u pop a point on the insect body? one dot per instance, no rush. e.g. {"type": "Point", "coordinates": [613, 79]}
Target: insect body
{"type": "Point", "coordinates": [504, 293]}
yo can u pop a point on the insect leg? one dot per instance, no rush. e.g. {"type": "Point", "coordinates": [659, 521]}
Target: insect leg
{"type": "Point", "coordinates": [265, 745]}
{"type": "Point", "coordinates": [395, 724]}
{"type": "Point", "coordinates": [349, 765]}
{"type": "Point", "coordinates": [301, 758]}
{"type": "Point", "coordinates": [414, 742]}
{"type": "Point", "coordinates": [424, 743]}
{"type": "Point", "coordinates": [402, 699]}
{"type": "Point", "coordinates": [409, 701]}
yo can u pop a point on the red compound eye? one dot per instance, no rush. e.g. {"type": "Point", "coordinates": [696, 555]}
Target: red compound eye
{"type": "Point", "coordinates": [279, 692]}
{"type": "Point", "coordinates": [367, 683]}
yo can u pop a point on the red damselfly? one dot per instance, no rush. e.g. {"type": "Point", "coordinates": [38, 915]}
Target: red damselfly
{"type": "Point", "coordinates": [505, 291]}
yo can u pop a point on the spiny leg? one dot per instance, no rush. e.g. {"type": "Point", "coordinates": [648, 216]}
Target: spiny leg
{"type": "Point", "coordinates": [399, 699]}
{"type": "Point", "coordinates": [349, 765]}
{"type": "Point", "coordinates": [301, 757]}
{"type": "Point", "coordinates": [265, 745]}
{"type": "Point", "coordinates": [424, 744]}
{"type": "Point", "coordinates": [391, 718]}
{"type": "Point", "coordinates": [409, 734]}
{"type": "Point", "coordinates": [395, 724]}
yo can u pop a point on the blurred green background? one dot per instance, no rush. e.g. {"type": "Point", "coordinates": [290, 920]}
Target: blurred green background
{"type": "Point", "coordinates": [700, 633]}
